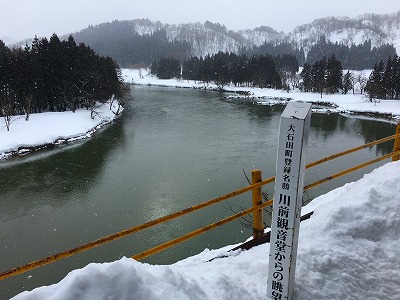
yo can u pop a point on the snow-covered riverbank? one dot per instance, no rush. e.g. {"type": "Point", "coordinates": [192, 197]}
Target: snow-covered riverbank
{"type": "Point", "coordinates": [350, 103]}
{"type": "Point", "coordinates": [51, 129]}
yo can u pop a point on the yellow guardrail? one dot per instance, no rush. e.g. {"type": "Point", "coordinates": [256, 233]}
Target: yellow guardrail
{"type": "Point", "coordinates": [256, 209]}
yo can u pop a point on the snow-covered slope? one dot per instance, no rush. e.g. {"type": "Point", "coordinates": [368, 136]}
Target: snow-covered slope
{"type": "Point", "coordinates": [210, 37]}
{"type": "Point", "coordinates": [379, 29]}
{"type": "Point", "coordinates": [7, 40]}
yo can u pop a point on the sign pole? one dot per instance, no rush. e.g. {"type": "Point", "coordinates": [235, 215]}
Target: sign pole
{"type": "Point", "coordinates": [288, 195]}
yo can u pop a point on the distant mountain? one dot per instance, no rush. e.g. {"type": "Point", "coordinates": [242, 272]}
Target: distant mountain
{"type": "Point", "coordinates": [207, 38]}
{"type": "Point", "coordinates": [140, 41]}
{"type": "Point", "coordinates": [7, 40]}
{"type": "Point", "coordinates": [210, 38]}
{"type": "Point", "coordinates": [380, 29]}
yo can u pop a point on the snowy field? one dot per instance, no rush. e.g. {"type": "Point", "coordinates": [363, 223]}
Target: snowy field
{"type": "Point", "coordinates": [348, 249]}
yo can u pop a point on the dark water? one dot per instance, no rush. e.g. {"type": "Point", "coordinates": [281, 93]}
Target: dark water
{"type": "Point", "coordinates": [171, 149]}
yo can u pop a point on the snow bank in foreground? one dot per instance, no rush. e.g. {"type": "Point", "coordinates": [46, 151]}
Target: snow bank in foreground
{"type": "Point", "coordinates": [348, 249]}
{"type": "Point", "coordinates": [52, 128]}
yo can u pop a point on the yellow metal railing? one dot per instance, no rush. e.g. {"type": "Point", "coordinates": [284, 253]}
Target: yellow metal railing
{"type": "Point", "coordinates": [256, 209]}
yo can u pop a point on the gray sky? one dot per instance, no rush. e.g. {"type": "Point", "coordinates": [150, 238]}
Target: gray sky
{"type": "Point", "coordinates": [20, 19]}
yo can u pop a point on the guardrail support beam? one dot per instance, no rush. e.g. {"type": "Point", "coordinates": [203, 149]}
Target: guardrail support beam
{"type": "Point", "coordinates": [396, 143]}
{"type": "Point", "coordinates": [258, 225]}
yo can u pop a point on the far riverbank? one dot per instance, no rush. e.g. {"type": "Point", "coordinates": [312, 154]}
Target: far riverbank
{"type": "Point", "coordinates": [350, 103]}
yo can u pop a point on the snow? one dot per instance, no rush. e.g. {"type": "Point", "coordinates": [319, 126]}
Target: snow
{"type": "Point", "coordinates": [348, 249]}
{"type": "Point", "coordinates": [52, 128]}
{"type": "Point", "coordinates": [351, 36]}
{"type": "Point", "coordinates": [350, 103]}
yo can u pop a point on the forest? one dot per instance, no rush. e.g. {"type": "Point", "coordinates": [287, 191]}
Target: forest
{"type": "Point", "coordinates": [275, 49]}
{"type": "Point", "coordinates": [54, 75]}
{"type": "Point", "coordinates": [223, 68]}
{"type": "Point", "coordinates": [130, 49]}
{"type": "Point", "coordinates": [354, 57]}
{"type": "Point", "coordinates": [266, 71]}
{"type": "Point", "coordinates": [384, 82]}
{"type": "Point", "coordinates": [325, 75]}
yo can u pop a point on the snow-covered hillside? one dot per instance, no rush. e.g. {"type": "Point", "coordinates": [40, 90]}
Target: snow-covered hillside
{"type": "Point", "coordinates": [210, 37]}
{"type": "Point", "coordinates": [380, 29]}
{"type": "Point", "coordinates": [7, 40]}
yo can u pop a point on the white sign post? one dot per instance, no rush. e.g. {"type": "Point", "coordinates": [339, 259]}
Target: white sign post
{"type": "Point", "coordinates": [290, 168]}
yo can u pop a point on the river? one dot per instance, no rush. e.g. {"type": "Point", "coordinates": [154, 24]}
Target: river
{"type": "Point", "coordinates": [171, 149]}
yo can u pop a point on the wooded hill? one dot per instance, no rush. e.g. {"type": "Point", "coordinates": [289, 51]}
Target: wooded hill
{"type": "Point", "coordinates": [55, 75]}
{"type": "Point", "coordinates": [139, 42]}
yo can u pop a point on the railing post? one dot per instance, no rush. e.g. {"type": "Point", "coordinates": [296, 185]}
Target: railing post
{"type": "Point", "coordinates": [396, 146]}
{"type": "Point", "coordinates": [258, 225]}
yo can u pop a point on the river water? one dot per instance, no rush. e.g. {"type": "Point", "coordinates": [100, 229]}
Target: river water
{"type": "Point", "coordinates": [171, 149]}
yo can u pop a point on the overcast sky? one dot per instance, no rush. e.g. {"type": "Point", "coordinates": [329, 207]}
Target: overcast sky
{"type": "Point", "coordinates": [20, 19]}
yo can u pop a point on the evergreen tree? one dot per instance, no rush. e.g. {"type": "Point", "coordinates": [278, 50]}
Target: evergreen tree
{"type": "Point", "coordinates": [221, 65]}
{"type": "Point", "coordinates": [384, 82]}
{"type": "Point", "coordinates": [240, 72]}
{"type": "Point", "coordinates": [319, 78]}
{"type": "Point", "coordinates": [166, 68]}
{"type": "Point", "coordinates": [347, 83]}
{"type": "Point", "coordinates": [191, 68]}
{"type": "Point", "coordinates": [397, 77]}
{"type": "Point", "coordinates": [375, 86]}
{"type": "Point", "coordinates": [389, 77]}
{"type": "Point", "coordinates": [306, 75]}
{"type": "Point", "coordinates": [207, 71]}
{"type": "Point", "coordinates": [333, 75]}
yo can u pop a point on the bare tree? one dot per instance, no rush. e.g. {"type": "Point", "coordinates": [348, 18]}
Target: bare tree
{"type": "Point", "coordinates": [293, 81]}
{"type": "Point", "coordinates": [28, 106]}
{"type": "Point", "coordinates": [363, 83]}
{"type": "Point", "coordinates": [360, 82]}
{"type": "Point", "coordinates": [120, 104]}
{"type": "Point", "coordinates": [247, 221]}
{"type": "Point", "coordinates": [354, 82]}
{"type": "Point", "coordinates": [8, 105]}
{"type": "Point", "coordinates": [73, 94]}
{"type": "Point", "coordinates": [93, 109]}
